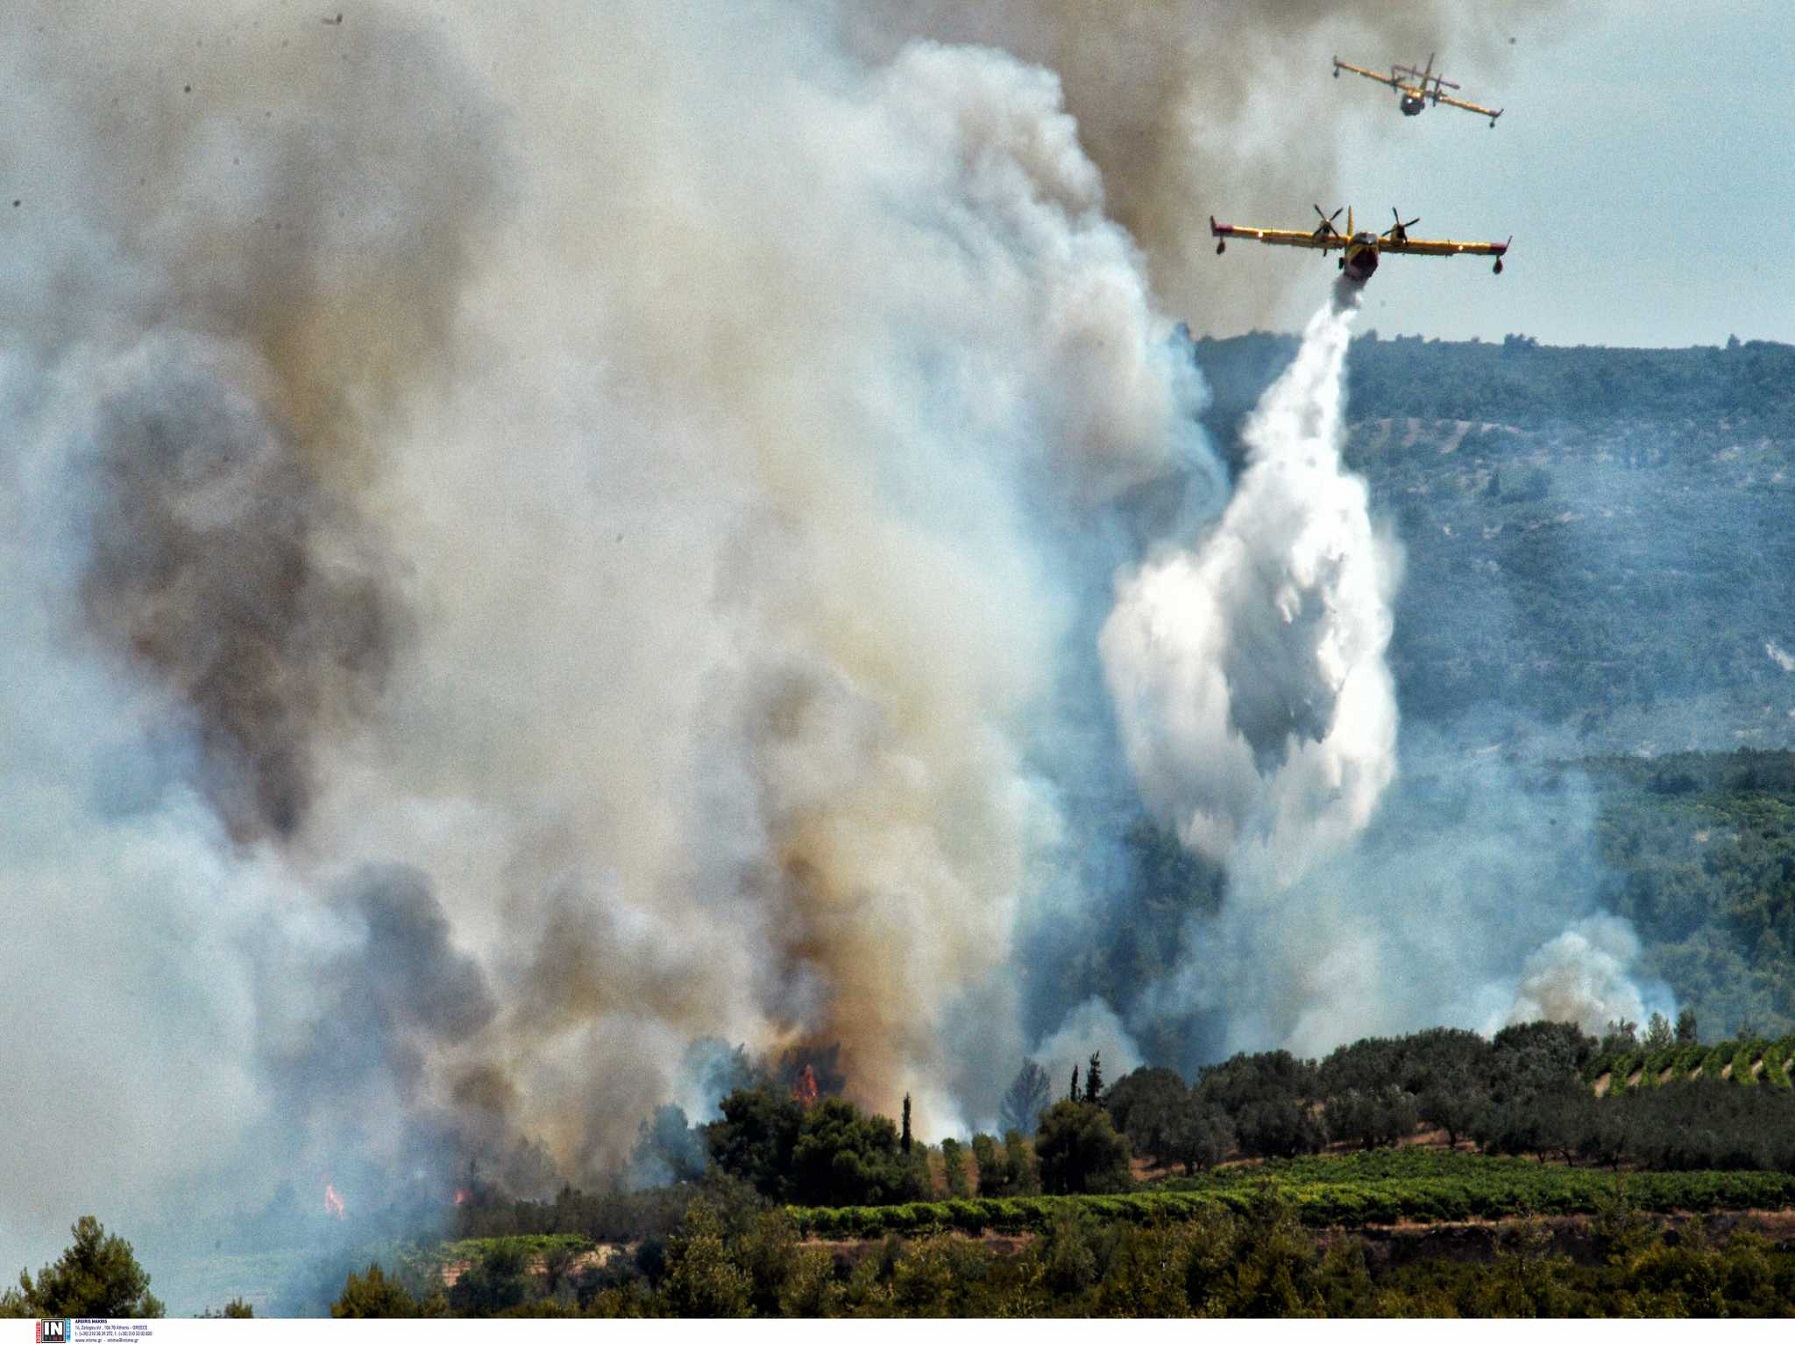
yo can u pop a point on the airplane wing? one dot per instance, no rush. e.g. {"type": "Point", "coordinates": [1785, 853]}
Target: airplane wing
{"type": "Point", "coordinates": [1290, 238]}
{"type": "Point", "coordinates": [1491, 112]}
{"type": "Point", "coordinates": [1428, 82]}
{"type": "Point", "coordinates": [1441, 247]}
{"type": "Point", "coordinates": [1391, 80]}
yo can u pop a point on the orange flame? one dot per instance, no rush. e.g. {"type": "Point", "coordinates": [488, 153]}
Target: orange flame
{"type": "Point", "coordinates": [461, 1196]}
{"type": "Point", "coordinates": [804, 1092]}
{"type": "Point", "coordinates": [333, 1203]}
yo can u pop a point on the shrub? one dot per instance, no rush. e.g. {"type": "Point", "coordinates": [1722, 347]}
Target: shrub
{"type": "Point", "coordinates": [1079, 1150]}
{"type": "Point", "coordinates": [1743, 1059]}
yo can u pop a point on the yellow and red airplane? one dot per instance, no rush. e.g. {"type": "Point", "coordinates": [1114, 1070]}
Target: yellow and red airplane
{"type": "Point", "coordinates": [1415, 89]}
{"type": "Point", "coordinates": [1359, 251]}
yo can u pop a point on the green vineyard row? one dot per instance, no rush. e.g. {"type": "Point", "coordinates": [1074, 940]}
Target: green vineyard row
{"type": "Point", "coordinates": [1738, 1059]}
{"type": "Point", "coordinates": [1387, 1188]}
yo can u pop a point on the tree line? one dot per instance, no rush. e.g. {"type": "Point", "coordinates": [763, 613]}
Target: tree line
{"type": "Point", "coordinates": [734, 1255]}
{"type": "Point", "coordinates": [1532, 1089]}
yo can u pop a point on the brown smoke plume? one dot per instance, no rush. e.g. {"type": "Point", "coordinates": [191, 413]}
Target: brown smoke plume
{"type": "Point", "coordinates": [277, 229]}
{"type": "Point", "coordinates": [735, 714]}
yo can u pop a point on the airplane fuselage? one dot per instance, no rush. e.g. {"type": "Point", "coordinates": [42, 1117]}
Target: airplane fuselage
{"type": "Point", "coordinates": [1412, 104]}
{"type": "Point", "coordinates": [1361, 257]}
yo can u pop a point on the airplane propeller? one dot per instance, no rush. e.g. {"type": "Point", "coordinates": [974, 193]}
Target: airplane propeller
{"type": "Point", "coordinates": [1327, 222]}
{"type": "Point", "coordinates": [1399, 232]}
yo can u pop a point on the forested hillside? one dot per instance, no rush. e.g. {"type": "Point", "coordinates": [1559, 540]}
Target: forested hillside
{"type": "Point", "coordinates": [1590, 1187]}
{"type": "Point", "coordinates": [1599, 541]}
{"type": "Point", "coordinates": [1600, 583]}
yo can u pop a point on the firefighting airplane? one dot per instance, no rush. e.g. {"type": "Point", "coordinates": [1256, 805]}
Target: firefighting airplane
{"type": "Point", "coordinates": [1359, 250]}
{"type": "Point", "coordinates": [1417, 88]}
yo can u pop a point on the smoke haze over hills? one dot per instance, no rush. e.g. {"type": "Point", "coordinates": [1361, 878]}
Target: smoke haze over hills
{"type": "Point", "coordinates": [530, 544]}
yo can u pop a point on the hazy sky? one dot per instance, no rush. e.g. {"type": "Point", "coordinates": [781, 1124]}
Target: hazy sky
{"type": "Point", "coordinates": [1643, 165]}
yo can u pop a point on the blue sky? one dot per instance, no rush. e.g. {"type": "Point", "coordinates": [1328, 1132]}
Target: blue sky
{"type": "Point", "coordinates": [1643, 164]}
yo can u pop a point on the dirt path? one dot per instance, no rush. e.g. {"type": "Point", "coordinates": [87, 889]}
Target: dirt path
{"type": "Point", "coordinates": [537, 1265]}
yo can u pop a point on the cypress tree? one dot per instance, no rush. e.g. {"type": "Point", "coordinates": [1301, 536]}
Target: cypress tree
{"type": "Point", "coordinates": [1093, 1080]}
{"type": "Point", "coordinates": [1073, 1095]}
{"type": "Point", "coordinates": [904, 1138]}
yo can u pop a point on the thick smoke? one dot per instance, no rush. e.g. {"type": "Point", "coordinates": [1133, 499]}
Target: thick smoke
{"type": "Point", "coordinates": [228, 260]}
{"type": "Point", "coordinates": [1092, 1028]}
{"type": "Point", "coordinates": [743, 746]}
{"type": "Point", "coordinates": [386, 990]}
{"type": "Point", "coordinates": [533, 551]}
{"type": "Point", "coordinates": [219, 562]}
{"type": "Point", "coordinates": [1583, 977]}
{"type": "Point", "coordinates": [232, 252]}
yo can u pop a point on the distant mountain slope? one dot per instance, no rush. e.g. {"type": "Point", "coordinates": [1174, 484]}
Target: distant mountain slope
{"type": "Point", "coordinates": [1601, 543]}
{"type": "Point", "coordinates": [1520, 381]}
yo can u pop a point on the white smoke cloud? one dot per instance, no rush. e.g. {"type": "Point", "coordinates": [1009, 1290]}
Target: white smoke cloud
{"type": "Point", "coordinates": [1583, 976]}
{"type": "Point", "coordinates": [1090, 1028]}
